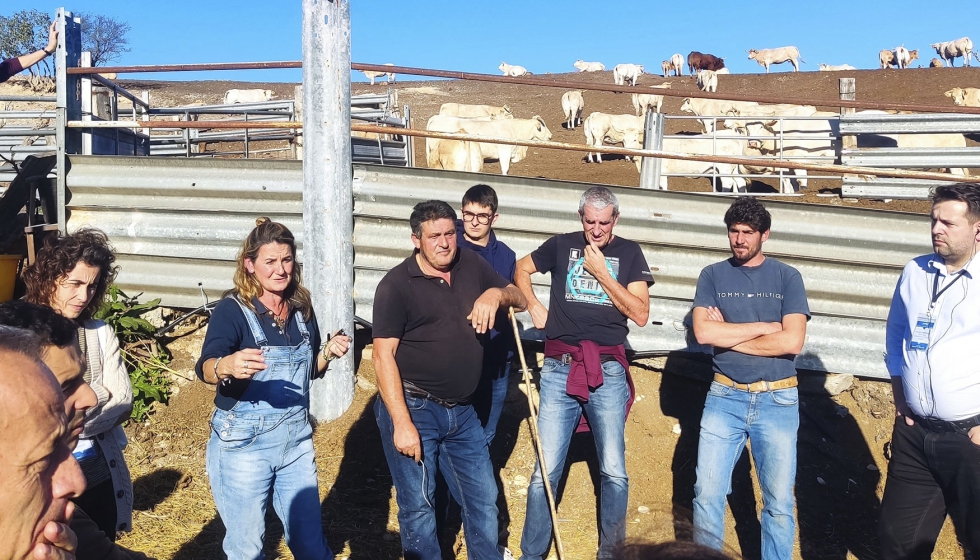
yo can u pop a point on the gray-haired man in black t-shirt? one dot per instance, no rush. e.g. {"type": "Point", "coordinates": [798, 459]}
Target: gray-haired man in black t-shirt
{"type": "Point", "coordinates": [598, 281]}
{"type": "Point", "coordinates": [432, 318]}
{"type": "Point", "coordinates": [752, 309]}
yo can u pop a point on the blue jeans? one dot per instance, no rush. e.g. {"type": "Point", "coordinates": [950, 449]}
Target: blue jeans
{"type": "Point", "coordinates": [771, 420]}
{"type": "Point", "coordinates": [242, 467]}
{"type": "Point", "coordinates": [454, 443]}
{"type": "Point", "coordinates": [558, 416]}
{"type": "Point", "coordinates": [488, 400]}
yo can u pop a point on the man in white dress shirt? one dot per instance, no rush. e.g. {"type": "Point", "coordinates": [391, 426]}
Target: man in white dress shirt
{"type": "Point", "coordinates": [933, 355]}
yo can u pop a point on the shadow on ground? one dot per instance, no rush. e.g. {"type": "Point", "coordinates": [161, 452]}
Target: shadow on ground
{"type": "Point", "coordinates": [837, 503]}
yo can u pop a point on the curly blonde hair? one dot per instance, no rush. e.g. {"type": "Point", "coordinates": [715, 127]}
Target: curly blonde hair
{"type": "Point", "coordinates": [247, 287]}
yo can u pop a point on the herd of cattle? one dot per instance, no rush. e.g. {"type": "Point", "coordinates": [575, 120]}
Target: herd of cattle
{"type": "Point", "coordinates": [948, 52]}
{"type": "Point", "coordinates": [744, 120]}
{"type": "Point", "coordinates": [900, 57]}
{"type": "Point", "coordinates": [707, 66]}
{"type": "Point", "coordinates": [730, 128]}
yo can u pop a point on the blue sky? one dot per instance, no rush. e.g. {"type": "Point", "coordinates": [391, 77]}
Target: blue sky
{"type": "Point", "coordinates": [543, 36]}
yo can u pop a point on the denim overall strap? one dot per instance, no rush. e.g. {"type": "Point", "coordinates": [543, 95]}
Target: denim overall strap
{"type": "Point", "coordinates": [282, 388]}
{"type": "Point", "coordinates": [253, 323]}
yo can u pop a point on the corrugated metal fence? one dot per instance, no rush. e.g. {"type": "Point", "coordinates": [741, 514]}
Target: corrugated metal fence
{"type": "Point", "coordinates": [178, 223]}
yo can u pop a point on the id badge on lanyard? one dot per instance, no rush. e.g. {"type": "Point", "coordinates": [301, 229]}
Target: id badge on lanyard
{"type": "Point", "coordinates": [924, 324]}
{"type": "Point", "coordinates": [922, 332]}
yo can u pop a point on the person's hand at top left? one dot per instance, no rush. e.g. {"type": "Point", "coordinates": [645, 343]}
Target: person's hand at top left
{"type": "Point", "coordinates": [52, 37]}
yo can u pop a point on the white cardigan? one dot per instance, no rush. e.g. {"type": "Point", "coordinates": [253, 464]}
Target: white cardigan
{"type": "Point", "coordinates": [103, 422]}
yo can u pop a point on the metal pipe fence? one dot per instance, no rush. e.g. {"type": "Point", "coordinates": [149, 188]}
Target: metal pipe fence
{"type": "Point", "coordinates": [780, 141]}
{"type": "Point", "coordinates": [536, 81]}
{"type": "Point", "coordinates": [23, 131]}
{"type": "Point", "coordinates": [775, 162]}
{"type": "Point", "coordinates": [896, 140]}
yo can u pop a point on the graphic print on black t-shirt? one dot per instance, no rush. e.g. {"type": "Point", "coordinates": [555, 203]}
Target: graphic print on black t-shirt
{"type": "Point", "coordinates": [581, 286]}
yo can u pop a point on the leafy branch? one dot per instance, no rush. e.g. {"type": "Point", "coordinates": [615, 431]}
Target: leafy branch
{"type": "Point", "coordinates": [145, 359]}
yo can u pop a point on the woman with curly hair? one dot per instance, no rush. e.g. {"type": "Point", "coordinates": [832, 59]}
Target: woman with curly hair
{"type": "Point", "coordinates": [262, 350]}
{"type": "Point", "coordinates": [71, 276]}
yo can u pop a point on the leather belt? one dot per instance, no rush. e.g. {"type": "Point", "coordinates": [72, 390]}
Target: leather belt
{"type": "Point", "coordinates": [413, 391]}
{"type": "Point", "coordinates": [758, 386]}
{"type": "Point", "coordinates": [566, 359]}
{"type": "Point", "coordinates": [943, 426]}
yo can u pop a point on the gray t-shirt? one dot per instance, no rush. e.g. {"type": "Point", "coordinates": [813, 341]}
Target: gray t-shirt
{"type": "Point", "coordinates": [750, 294]}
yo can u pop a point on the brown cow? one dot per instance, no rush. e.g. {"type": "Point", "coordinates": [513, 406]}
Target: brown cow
{"type": "Point", "coordinates": [699, 61]}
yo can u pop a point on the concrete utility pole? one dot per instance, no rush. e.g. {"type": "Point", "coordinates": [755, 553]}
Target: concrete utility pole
{"type": "Point", "coordinates": [328, 199]}
{"type": "Point", "coordinates": [69, 102]}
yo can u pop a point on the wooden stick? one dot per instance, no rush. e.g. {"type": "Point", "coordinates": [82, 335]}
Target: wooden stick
{"type": "Point", "coordinates": [536, 437]}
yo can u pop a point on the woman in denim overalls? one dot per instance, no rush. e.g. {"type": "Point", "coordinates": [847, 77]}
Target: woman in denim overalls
{"type": "Point", "coordinates": [262, 348]}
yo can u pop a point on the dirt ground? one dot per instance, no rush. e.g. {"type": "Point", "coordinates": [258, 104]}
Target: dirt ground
{"type": "Point", "coordinates": [842, 438]}
{"type": "Point", "coordinates": [839, 482]}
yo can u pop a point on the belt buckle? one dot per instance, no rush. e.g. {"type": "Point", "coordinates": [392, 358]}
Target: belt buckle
{"type": "Point", "coordinates": [939, 426]}
{"type": "Point", "coordinates": [566, 359]}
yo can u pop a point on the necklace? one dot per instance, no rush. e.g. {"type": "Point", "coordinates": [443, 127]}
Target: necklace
{"type": "Point", "coordinates": [280, 318]}
{"type": "Point", "coordinates": [281, 323]}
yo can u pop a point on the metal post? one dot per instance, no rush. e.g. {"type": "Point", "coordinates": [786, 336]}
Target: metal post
{"type": "Point", "coordinates": [114, 111]}
{"type": "Point", "coordinates": [86, 104]}
{"type": "Point", "coordinates": [69, 106]}
{"type": "Point", "coordinates": [848, 92]}
{"type": "Point", "coordinates": [145, 96]}
{"type": "Point", "coordinates": [297, 93]}
{"type": "Point", "coordinates": [409, 140]}
{"type": "Point", "coordinates": [653, 139]}
{"type": "Point", "coordinates": [298, 117]}
{"type": "Point", "coordinates": [328, 200]}
{"type": "Point", "coordinates": [246, 134]}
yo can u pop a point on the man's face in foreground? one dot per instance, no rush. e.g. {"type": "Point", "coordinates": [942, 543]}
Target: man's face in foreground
{"type": "Point", "coordinates": [38, 472]}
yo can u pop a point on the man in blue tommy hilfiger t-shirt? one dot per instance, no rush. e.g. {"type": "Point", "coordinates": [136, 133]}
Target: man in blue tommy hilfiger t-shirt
{"type": "Point", "coordinates": [752, 309]}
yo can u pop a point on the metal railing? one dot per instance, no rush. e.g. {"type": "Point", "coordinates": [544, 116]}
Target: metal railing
{"type": "Point", "coordinates": [381, 154]}
{"type": "Point", "coordinates": [188, 142]}
{"type": "Point", "coordinates": [96, 90]}
{"type": "Point", "coordinates": [887, 130]}
{"type": "Point", "coordinates": [23, 131]}
{"type": "Point", "coordinates": [176, 223]}
{"type": "Point", "coordinates": [781, 141]}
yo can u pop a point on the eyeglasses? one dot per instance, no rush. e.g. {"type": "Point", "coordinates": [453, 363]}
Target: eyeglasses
{"type": "Point", "coordinates": [482, 219]}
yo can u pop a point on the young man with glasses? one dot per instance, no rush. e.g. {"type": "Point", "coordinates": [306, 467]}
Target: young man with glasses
{"type": "Point", "coordinates": [475, 232]}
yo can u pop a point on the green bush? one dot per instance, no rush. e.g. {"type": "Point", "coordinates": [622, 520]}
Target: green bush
{"type": "Point", "coordinates": [145, 359]}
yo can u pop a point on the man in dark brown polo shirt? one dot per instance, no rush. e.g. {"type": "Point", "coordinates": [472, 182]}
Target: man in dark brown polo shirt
{"type": "Point", "coordinates": [432, 317]}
